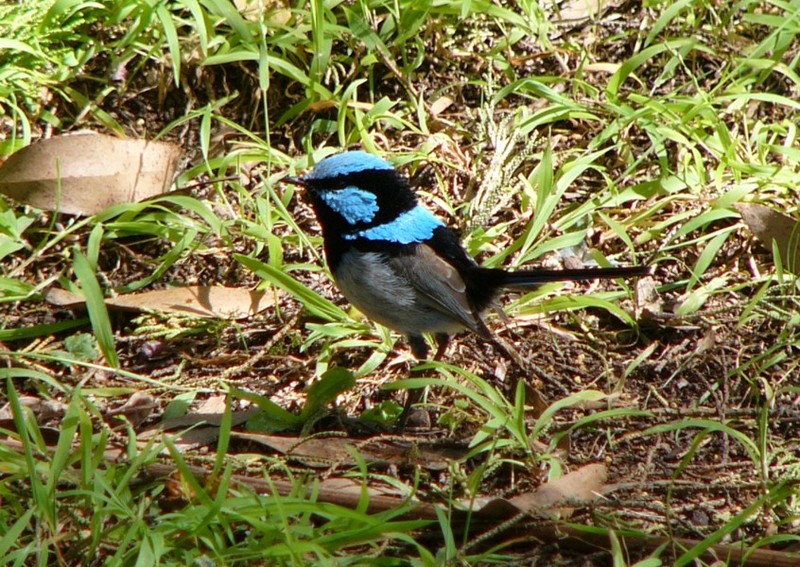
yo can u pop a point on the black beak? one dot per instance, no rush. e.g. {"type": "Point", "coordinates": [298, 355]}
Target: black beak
{"type": "Point", "coordinates": [299, 181]}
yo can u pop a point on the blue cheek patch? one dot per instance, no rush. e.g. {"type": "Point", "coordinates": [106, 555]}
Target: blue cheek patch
{"type": "Point", "coordinates": [416, 225]}
{"type": "Point", "coordinates": [346, 163]}
{"type": "Point", "coordinates": [354, 204]}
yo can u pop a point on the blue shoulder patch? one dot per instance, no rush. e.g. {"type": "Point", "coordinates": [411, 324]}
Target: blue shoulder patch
{"type": "Point", "coordinates": [347, 163]}
{"type": "Point", "coordinates": [354, 204]}
{"type": "Point", "coordinates": [413, 226]}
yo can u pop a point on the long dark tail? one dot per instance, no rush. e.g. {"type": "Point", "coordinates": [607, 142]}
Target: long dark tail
{"type": "Point", "coordinates": [531, 278]}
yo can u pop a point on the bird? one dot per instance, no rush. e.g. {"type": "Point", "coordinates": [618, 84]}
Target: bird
{"type": "Point", "coordinates": [402, 266]}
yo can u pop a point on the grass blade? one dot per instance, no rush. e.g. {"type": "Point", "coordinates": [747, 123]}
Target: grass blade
{"type": "Point", "coordinates": [95, 305]}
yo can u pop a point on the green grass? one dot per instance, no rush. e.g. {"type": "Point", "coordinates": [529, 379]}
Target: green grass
{"type": "Point", "coordinates": [625, 140]}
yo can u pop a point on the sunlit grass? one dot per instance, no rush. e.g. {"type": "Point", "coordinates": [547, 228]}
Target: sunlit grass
{"type": "Point", "coordinates": [631, 149]}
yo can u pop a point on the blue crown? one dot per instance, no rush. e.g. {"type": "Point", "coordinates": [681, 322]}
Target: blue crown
{"type": "Point", "coordinates": [347, 163]}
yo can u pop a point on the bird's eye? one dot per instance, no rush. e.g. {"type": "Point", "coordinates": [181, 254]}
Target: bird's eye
{"type": "Point", "coordinates": [335, 185]}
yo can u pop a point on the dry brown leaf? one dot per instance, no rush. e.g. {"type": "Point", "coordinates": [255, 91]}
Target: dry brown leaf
{"type": "Point", "coordinates": [581, 11]}
{"type": "Point", "coordinates": [84, 174]}
{"type": "Point", "coordinates": [556, 498]}
{"type": "Point", "coordinates": [440, 105]}
{"type": "Point", "coordinates": [196, 418]}
{"type": "Point", "coordinates": [63, 298]}
{"type": "Point", "coordinates": [214, 405]}
{"type": "Point", "coordinates": [201, 301]}
{"type": "Point", "coordinates": [771, 226]}
{"type": "Point", "coordinates": [137, 408]}
{"type": "Point", "coordinates": [609, 68]}
{"type": "Point", "coordinates": [32, 402]}
{"type": "Point", "coordinates": [203, 428]}
{"type": "Point", "coordinates": [578, 487]}
{"type": "Point", "coordinates": [354, 489]}
{"type": "Point", "coordinates": [323, 452]}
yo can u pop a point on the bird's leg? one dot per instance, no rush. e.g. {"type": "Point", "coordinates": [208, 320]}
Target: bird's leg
{"type": "Point", "coordinates": [511, 352]}
{"type": "Point", "coordinates": [419, 349]}
{"type": "Point", "coordinates": [442, 340]}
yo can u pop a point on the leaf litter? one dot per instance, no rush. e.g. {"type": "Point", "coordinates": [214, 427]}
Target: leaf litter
{"type": "Point", "coordinates": [682, 365]}
{"type": "Point", "coordinates": [84, 174]}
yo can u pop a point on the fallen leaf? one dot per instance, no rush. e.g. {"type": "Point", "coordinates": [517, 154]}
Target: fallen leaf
{"type": "Point", "coordinates": [137, 408]}
{"type": "Point", "coordinates": [200, 428]}
{"type": "Point", "coordinates": [355, 489]}
{"type": "Point", "coordinates": [556, 498]}
{"type": "Point", "coordinates": [196, 418]}
{"type": "Point", "coordinates": [581, 11]}
{"type": "Point", "coordinates": [609, 68]}
{"type": "Point", "coordinates": [63, 298]}
{"type": "Point", "coordinates": [578, 487]}
{"type": "Point", "coordinates": [201, 301]}
{"type": "Point", "coordinates": [771, 226]}
{"type": "Point", "coordinates": [324, 452]}
{"type": "Point", "coordinates": [440, 105]}
{"type": "Point", "coordinates": [213, 405]}
{"type": "Point", "coordinates": [84, 174]}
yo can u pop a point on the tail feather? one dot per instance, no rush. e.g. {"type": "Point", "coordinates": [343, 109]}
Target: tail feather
{"type": "Point", "coordinates": [523, 279]}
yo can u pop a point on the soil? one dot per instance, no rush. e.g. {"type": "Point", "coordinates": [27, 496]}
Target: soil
{"type": "Point", "coordinates": [678, 375]}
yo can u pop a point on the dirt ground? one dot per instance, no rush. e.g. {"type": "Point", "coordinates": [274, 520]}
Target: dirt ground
{"type": "Point", "coordinates": [715, 366]}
